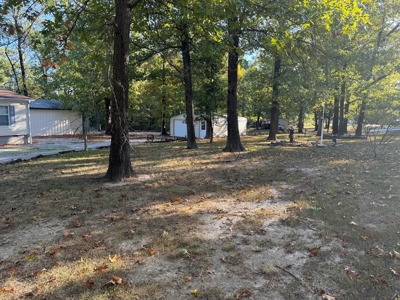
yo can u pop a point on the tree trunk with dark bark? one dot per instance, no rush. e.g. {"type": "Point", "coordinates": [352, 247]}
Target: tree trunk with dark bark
{"type": "Point", "coordinates": [275, 104]}
{"type": "Point", "coordinates": [233, 143]}
{"type": "Point", "coordinates": [315, 121]}
{"type": "Point", "coordinates": [300, 123]}
{"type": "Point", "coordinates": [187, 79]}
{"type": "Point", "coordinates": [328, 123]}
{"type": "Point", "coordinates": [21, 58]}
{"type": "Point", "coordinates": [119, 166]}
{"type": "Point", "coordinates": [335, 120]}
{"type": "Point", "coordinates": [107, 103]}
{"type": "Point", "coordinates": [361, 116]}
{"type": "Point", "coordinates": [343, 121]}
{"type": "Point", "coordinates": [210, 130]}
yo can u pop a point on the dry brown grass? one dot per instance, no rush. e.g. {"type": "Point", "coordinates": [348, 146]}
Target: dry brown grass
{"type": "Point", "coordinates": [270, 223]}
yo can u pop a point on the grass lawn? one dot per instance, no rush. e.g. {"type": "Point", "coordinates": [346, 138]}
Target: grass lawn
{"type": "Point", "coordinates": [270, 223]}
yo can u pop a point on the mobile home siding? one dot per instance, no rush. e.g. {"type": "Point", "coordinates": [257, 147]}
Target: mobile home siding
{"type": "Point", "coordinates": [55, 122]}
{"type": "Point", "coordinates": [21, 125]}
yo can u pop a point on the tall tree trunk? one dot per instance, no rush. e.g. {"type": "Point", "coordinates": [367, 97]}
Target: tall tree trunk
{"type": "Point", "coordinates": [119, 166]}
{"type": "Point", "coordinates": [210, 129]}
{"type": "Point", "coordinates": [316, 121]}
{"type": "Point", "coordinates": [275, 104]}
{"type": "Point", "coordinates": [233, 143]}
{"type": "Point", "coordinates": [163, 129]}
{"type": "Point", "coordinates": [361, 117]}
{"type": "Point", "coordinates": [13, 69]}
{"type": "Point", "coordinates": [335, 120]}
{"type": "Point", "coordinates": [107, 103]}
{"type": "Point", "coordinates": [300, 123]}
{"type": "Point", "coordinates": [187, 79]}
{"type": "Point", "coordinates": [21, 56]}
{"type": "Point", "coordinates": [343, 122]}
{"type": "Point", "coordinates": [328, 122]}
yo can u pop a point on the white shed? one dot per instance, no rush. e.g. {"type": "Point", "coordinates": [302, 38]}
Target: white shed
{"type": "Point", "coordinates": [14, 118]}
{"type": "Point", "coordinates": [178, 126]}
{"type": "Point", "coordinates": [49, 118]}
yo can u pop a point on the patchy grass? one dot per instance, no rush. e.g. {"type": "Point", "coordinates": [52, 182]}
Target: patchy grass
{"type": "Point", "coordinates": [269, 223]}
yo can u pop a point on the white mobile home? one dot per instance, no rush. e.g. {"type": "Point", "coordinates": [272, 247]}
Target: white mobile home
{"type": "Point", "coordinates": [49, 118]}
{"type": "Point", "coordinates": [14, 118]}
{"type": "Point", "coordinates": [178, 126]}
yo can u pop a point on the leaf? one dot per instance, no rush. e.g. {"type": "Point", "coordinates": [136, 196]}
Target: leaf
{"type": "Point", "coordinates": [380, 279]}
{"type": "Point", "coordinates": [194, 293]}
{"type": "Point", "coordinates": [7, 291]}
{"type": "Point", "coordinates": [101, 269]}
{"type": "Point", "coordinates": [177, 198]}
{"type": "Point", "coordinates": [394, 272]}
{"type": "Point", "coordinates": [12, 271]}
{"type": "Point", "coordinates": [30, 257]}
{"type": "Point", "coordinates": [151, 251]}
{"type": "Point", "coordinates": [325, 296]}
{"type": "Point", "coordinates": [353, 223]}
{"type": "Point", "coordinates": [314, 251]}
{"type": "Point", "coordinates": [210, 271]}
{"type": "Point", "coordinates": [68, 234]}
{"type": "Point", "coordinates": [89, 283]}
{"type": "Point", "coordinates": [246, 293]}
{"type": "Point", "coordinates": [351, 274]}
{"type": "Point", "coordinates": [114, 258]}
{"type": "Point", "coordinates": [118, 280]}
{"type": "Point", "coordinates": [187, 278]}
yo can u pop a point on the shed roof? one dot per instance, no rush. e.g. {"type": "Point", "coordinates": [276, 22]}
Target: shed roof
{"type": "Point", "coordinates": [9, 95]}
{"type": "Point", "coordinates": [47, 104]}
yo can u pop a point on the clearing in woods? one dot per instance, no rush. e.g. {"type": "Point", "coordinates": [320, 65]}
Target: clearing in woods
{"type": "Point", "coordinates": [270, 223]}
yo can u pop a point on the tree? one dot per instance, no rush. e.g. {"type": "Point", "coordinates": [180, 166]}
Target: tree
{"type": "Point", "coordinates": [119, 165]}
{"type": "Point", "coordinates": [233, 143]}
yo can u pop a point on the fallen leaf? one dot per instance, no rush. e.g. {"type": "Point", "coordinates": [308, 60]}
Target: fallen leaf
{"type": "Point", "coordinates": [68, 233]}
{"type": "Point", "coordinates": [351, 274]}
{"type": "Point", "coordinates": [89, 283]}
{"type": "Point", "coordinates": [210, 271]}
{"type": "Point", "coordinates": [194, 293]}
{"type": "Point", "coordinates": [115, 258]}
{"type": "Point", "coordinates": [314, 251]}
{"type": "Point", "coordinates": [86, 236]}
{"type": "Point", "coordinates": [187, 278]}
{"type": "Point", "coordinates": [118, 280]}
{"type": "Point", "coordinates": [6, 291]}
{"type": "Point", "coordinates": [394, 272]}
{"type": "Point", "coordinates": [151, 251]}
{"type": "Point", "coordinates": [353, 223]}
{"type": "Point", "coordinates": [246, 293]}
{"type": "Point", "coordinates": [380, 279]}
{"type": "Point", "coordinates": [101, 269]}
{"type": "Point", "coordinates": [177, 198]}
{"type": "Point", "coordinates": [325, 296]}
{"type": "Point", "coordinates": [12, 271]}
